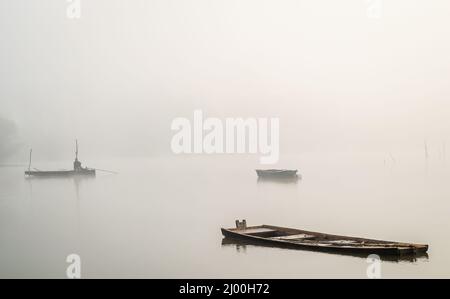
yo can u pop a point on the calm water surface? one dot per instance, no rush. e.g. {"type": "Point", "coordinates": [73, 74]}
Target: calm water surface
{"type": "Point", "coordinates": [161, 217]}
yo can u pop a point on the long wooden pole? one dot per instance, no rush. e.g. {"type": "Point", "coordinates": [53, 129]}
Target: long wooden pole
{"type": "Point", "coordinates": [110, 171]}
{"type": "Point", "coordinates": [76, 149]}
{"type": "Point", "coordinates": [29, 163]}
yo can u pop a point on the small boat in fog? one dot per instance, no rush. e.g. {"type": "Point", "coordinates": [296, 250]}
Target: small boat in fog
{"type": "Point", "coordinates": [59, 173]}
{"type": "Point", "coordinates": [314, 241]}
{"type": "Point", "coordinates": [77, 169]}
{"type": "Point", "coordinates": [276, 173]}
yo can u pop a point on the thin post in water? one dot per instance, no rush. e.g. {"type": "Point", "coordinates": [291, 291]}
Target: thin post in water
{"type": "Point", "coordinates": [29, 163]}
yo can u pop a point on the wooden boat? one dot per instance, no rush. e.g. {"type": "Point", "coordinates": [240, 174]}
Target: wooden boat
{"type": "Point", "coordinates": [307, 240]}
{"type": "Point", "coordinates": [276, 173]}
{"type": "Point", "coordinates": [59, 173]}
{"type": "Point", "coordinates": [78, 170]}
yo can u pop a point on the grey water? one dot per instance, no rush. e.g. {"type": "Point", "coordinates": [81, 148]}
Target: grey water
{"type": "Point", "coordinates": [161, 217]}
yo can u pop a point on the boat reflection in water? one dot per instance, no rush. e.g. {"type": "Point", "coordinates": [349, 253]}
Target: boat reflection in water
{"type": "Point", "coordinates": [241, 246]}
{"type": "Point", "coordinates": [75, 178]}
{"type": "Point", "coordinates": [279, 180]}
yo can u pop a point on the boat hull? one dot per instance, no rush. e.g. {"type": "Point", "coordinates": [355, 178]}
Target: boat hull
{"type": "Point", "coordinates": [383, 248]}
{"type": "Point", "coordinates": [275, 173]}
{"type": "Point", "coordinates": [61, 173]}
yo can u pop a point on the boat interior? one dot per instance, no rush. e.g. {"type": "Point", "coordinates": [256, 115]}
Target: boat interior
{"type": "Point", "coordinates": [297, 236]}
{"type": "Point", "coordinates": [287, 235]}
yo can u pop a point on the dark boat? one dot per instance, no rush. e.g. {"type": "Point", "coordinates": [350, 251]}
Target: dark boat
{"type": "Point", "coordinates": [276, 173]}
{"type": "Point", "coordinates": [313, 241]}
{"type": "Point", "coordinates": [78, 170]}
{"type": "Point", "coordinates": [59, 173]}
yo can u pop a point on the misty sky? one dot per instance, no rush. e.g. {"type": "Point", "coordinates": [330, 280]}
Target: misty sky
{"type": "Point", "coordinates": [116, 77]}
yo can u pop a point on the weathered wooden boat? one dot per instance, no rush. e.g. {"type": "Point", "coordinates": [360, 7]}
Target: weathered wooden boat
{"type": "Point", "coordinates": [314, 241]}
{"type": "Point", "coordinates": [59, 173]}
{"type": "Point", "coordinates": [78, 170]}
{"type": "Point", "coordinates": [276, 173]}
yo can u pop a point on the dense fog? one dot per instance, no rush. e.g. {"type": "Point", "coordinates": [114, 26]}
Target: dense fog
{"type": "Point", "coordinates": [339, 78]}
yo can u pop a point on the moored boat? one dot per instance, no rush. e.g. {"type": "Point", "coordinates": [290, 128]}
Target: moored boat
{"type": "Point", "coordinates": [78, 170]}
{"type": "Point", "coordinates": [57, 173]}
{"type": "Point", "coordinates": [276, 173]}
{"type": "Point", "coordinates": [314, 241]}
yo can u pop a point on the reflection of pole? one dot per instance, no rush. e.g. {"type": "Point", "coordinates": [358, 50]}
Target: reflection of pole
{"type": "Point", "coordinates": [29, 163]}
{"type": "Point", "coordinates": [78, 214]}
{"type": "Point", "coordinates": [426, 150]}
{"type": "Point", "coordinates": [444, 150]}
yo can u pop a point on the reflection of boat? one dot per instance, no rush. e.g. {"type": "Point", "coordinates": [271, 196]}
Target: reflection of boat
{"type": "Point", "coordinates": [276, 173]}
{"type": "Point", "coordinates": [300, 239]}
{"type": "Point", "coordinates": [78, 170]}
{"type": "Point", "coordinates": [279, 179]}
{"type": "Point", "coordinates": [241, 246]}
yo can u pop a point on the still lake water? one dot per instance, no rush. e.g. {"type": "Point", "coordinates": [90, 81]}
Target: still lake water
{"type": "Point", "coordinates": [161, 217]}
